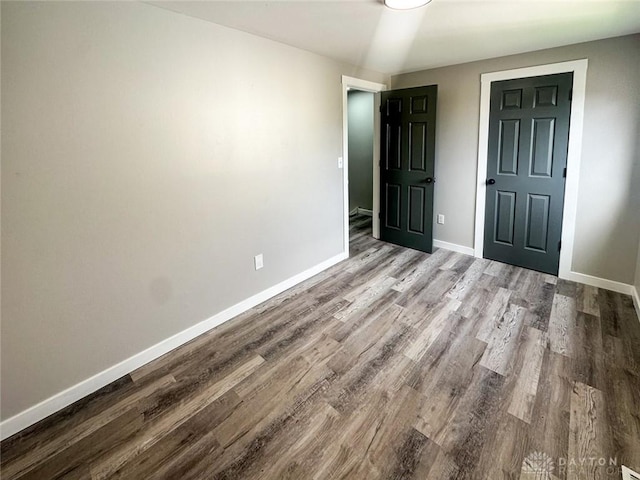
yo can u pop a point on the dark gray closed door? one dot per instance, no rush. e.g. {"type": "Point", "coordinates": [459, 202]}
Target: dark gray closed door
{"type": "Point", "coordinates": [526, 169]}
{"type": "Point", "coordinates": [407, 165]}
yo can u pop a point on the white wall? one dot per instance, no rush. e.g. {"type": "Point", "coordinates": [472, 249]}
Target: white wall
{"type": "Point", "coordinates": [147, 157]}
{"type": "Point", "coordinates": [608, 223]}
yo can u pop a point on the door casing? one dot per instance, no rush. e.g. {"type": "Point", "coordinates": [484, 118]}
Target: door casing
{"type": "Point", "coordinates": [376, 88]}
{"type": "Point", "coordinates": [574, 152]}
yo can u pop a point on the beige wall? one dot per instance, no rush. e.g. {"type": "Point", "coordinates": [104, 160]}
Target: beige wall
{"type": "Point", "coordinates": [147, 157]}
{"type": "Point", "coordinates": [608, 223]}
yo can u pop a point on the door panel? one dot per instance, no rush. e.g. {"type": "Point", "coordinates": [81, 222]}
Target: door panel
{"type": "Point", "coordinates": [537, 222]}
{"type": "Point", "coordinates": [511, 99]}
{"type": "Point", "coordinates": [392, 151]}
{"type": "Point", "coordinates": [392, 204]}
{"type": "Point", "coordinates": [419, 103]}
{"type": "Point", "coordinates": [418, 145]}
{"type": "Point", "coordinates": [416, 209]}
{"type": "Point", "coordinates": [407, 166]}
{"type": "Point", "coordinates": [505, 217]}
{"type": "Point", "coordinates": [527, 157]}
{"type": "Point", "coordinates": [509, 142]}
{"type": "Point", "coordinates": [547, 96]}
{"type": "Point", "coordinates": [542, 147]}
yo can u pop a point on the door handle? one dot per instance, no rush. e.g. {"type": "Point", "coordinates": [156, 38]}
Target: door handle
{"type": "Point", "coordinates": [430, 180]}
{"type": "Point", "coordinates": [491, 181]}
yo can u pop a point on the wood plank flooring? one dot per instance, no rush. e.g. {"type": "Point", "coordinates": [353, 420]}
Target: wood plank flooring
{"type": "Point", "coordinates": [393, 364]}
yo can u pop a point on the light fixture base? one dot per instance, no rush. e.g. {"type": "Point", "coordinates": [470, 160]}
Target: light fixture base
{"type": "Point", "coordinates": [405, 4]}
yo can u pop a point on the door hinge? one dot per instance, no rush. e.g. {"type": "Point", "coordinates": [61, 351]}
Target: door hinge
{"type": "Point", "coordinates": [380, 108]}
{"type": "Point", "coordinates": [564, 173]}
{"type": "Point", "coordinates": [559, 245]}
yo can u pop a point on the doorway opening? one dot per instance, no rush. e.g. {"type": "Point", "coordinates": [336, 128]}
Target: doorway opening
{"type": "Point", "coordinates": [364, 95]}
{"type": "Point", "coordinates": [360, 111]}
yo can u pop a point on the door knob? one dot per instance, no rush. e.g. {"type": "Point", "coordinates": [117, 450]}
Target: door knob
{"type": "Point", "coordinates": [430, 180]}
{"type": "Point", "coordinates": [491, 181]}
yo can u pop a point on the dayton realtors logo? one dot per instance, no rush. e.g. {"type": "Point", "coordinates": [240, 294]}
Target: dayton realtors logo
{"type": "Point", "coordinates": [540, 466]}
{"type": "Point", "coordinates": [604, 467]}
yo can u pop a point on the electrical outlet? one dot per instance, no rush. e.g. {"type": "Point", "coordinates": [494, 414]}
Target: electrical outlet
{"type": "Point", "coordinates": [258, 260]}
{"type": "Point", "coordinates": [340, 162]}
{"type": "Point", "coordinates": [441, 219]}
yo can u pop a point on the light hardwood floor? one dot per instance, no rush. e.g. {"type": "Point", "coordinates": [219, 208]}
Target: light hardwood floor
{"type": "Point", "coordinates": [393, 364]}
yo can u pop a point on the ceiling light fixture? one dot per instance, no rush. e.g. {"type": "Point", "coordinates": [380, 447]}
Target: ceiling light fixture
{"type": "Point", "coordinates": [405, 4]}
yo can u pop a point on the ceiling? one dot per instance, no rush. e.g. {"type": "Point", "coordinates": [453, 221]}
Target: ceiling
{"type": "Point", "coordinates": [444, 32]}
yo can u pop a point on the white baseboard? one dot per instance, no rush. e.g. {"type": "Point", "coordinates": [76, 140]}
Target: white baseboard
{"type": "Point", "coordinates": [53, 404]}
{"type": "Point", "coordinates": [636, 300]}
{"type": "Point", "coordinates": [607, 285]}
{"type": "Point", "coordinates": [453, 247]}
{"type": "Point", "coordinates": [365, 211]}
{"type": "Point", "coordinates": [599, 282]}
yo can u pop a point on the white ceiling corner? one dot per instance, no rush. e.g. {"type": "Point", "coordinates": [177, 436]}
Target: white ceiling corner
{"type": "Point", "coordinates": [444, 32]}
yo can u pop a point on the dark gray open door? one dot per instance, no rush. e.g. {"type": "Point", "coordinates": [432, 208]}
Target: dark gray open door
{"type": "Point", "coordinates": [407, 165]}
{"type": "Point", "coordinates": [526, 169]}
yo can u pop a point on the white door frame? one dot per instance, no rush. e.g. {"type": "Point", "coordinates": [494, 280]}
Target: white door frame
{"type": "Point", "coordinates": [574, 153]}
{"type": "Point", "coordinates": [367, 86]}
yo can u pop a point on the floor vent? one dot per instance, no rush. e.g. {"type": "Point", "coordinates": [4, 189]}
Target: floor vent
{"type": "Point", "coordinates": [629, 474]}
